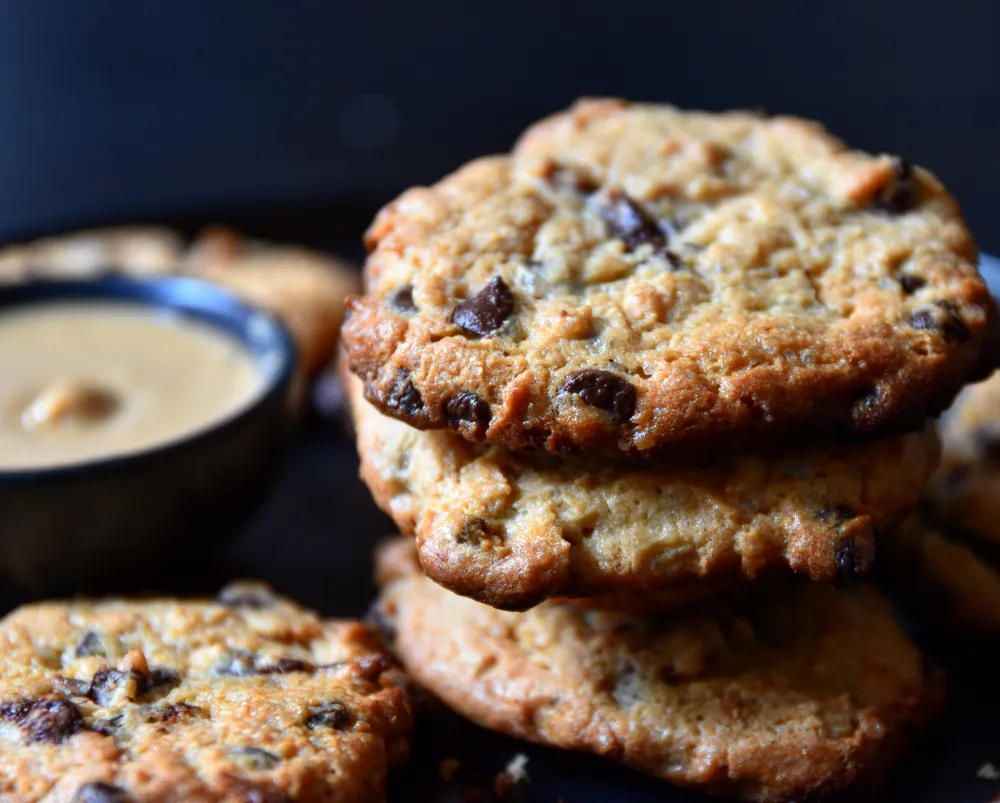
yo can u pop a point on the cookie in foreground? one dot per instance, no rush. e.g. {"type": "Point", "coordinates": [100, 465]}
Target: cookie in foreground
{"type": "Point", "coordinates": [248, 697]}
{"type": "Point", "coordinates": [799, 694]}
{"type": "Point", "coordinates": [633, 277]}
{"type": "Point", "coordinates": [510, 529]}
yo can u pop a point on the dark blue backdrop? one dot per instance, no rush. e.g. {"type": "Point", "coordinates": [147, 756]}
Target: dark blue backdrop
{"type": "Point", "coordinates": [119, 110]}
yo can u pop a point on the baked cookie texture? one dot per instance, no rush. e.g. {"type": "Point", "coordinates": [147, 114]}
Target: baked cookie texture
{"type": "Point", "coordinates": [634, 276]}
{"type": "Point", "coordinates": [964, 496]}
{"type": "Point", "coordinates": [510, 529]}
{"type": "Point", "coordinates": [946, 580]}
{"type": "Point", "coordinates": [247, 698]}
{"type": "Point", "coordinates": [792, 695]}
{"type": "Point", "coordinates": [307, 290]}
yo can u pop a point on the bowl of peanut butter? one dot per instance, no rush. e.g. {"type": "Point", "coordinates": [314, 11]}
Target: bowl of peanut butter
{"type": "Point", "coordinates": [137, 416]}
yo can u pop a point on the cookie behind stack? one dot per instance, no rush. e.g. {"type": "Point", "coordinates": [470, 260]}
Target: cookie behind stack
{"type": "Point", "coordinates": [661, 353]}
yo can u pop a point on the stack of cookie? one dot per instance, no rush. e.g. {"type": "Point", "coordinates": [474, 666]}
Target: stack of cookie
{"type": "Point", "coordinates": [647, 357]}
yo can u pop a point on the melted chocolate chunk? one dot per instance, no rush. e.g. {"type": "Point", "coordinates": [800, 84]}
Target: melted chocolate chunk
{"type": "Point", "coordinates": [486, 311]}
{"type": "Point", "coordinates": [175, 712]}
{"type": "Point", "coordinates": [254, 596]}
{"type": "Point", "coordinates": [109, 683]}
{"type": "Point", "coordinates": [848, 563]}
{"type": "Point", "coordinates": [675, 261]}
{"type": "Point", "coordinates": [900, 194]}
{"type": "Point", "coordinates": [329, 715]}
{"type": "Point", "coordinates": [468, 408]}
{"type": "Point", "coordinates": [604, 390]}
{"type": "Point", "coordinates": [402, 300]}
{"type": "Point", "coordinates": [16, 711]}
{"type": "Point", "coordinates": [285, 665]}
{"type": "Point", "coordinates": [99, 792]}
{"type": "Point", "coordinates": [372, 666]}
{"type": "Point", "coordinates": [160, 677]}
{"type": "Point", "coordinates": [942, 317]}
{"type": "Point", "coordinates": [403, 395]}
{"type": "Point", "coordinates": [628, 221]}
{"type": "Point", "coordinates": [89, 644]}
{"type": "Point", "coordinates": [911, 283]}
{"type": "Point", "coordinates": [52, 720]}
{"type": "Point", "coordinates": [254, 758]}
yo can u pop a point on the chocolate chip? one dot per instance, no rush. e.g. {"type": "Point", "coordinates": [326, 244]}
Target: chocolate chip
{"type": "Point", "coordinates": [100, 792]}
{"type": "Point", "coordinates": [109, 684]}
{"type": "Point", "coordinates": [468, 408]}
{"type": "Point", "coordinates": [911, 283]}
{"type": "Point", "coordinates": [403, 395]}
{"type": "Point", "coordinates": [848, 563]}
{"type": "Point", "coordinates": [52, 720]}
{"type": "Point", "coordinates": [486, 311]}
{"type": "Point", "coordinates": [603, 389]}
{"type": "Point", "coordinates": [402, 299]}
{"type": "Point", "coordinates": [675, 261]}
{"type": "Point", "coordinates": [255, 596]}
{"type": "Point", "coordinates": [944, 318]}
{"type": "Point", "coordinates": [900, 193]}
{"type": "Point", "coordinates": [160, 677]}
{"type": "Point", "coordinates": [108, 726]}
{"type": "Point", "coordinates": [629, 222]}
{"type": "Point", "coordinates": [285, 665]}
{"type": "Point", "coordinates": [71, 687]}
{"type": "Point", "coordinates": [16, 711]}
{"type": "Point", "coordinates": [175, 712]}
{"type": "Point", "coordinates": [89, 644]}
{"type": "Point", "coordinates": [253, 758]}
{"type": "Point", "coordinates": [329, 715]}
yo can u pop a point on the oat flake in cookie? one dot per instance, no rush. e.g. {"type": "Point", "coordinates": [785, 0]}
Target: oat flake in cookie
{"type": "Point", "coordinates": [248, 698]}
{"type": "Point", "coordinates": [512, 528]}
{"type": "Point", "coordinates": [635, 276]}
{"type": "Point", "coordinates": [793, 694]}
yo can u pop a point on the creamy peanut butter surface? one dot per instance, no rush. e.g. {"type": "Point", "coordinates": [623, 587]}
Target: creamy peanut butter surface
{"type": "Point", "coordinates": [85, 380]}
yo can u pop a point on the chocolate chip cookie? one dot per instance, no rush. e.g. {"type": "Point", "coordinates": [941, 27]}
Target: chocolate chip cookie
{"type": "Point", "coordinates": [792, 694]}
{"type": "Point", "coordinates": [512, 528]}
{"type": "Point", "coordinates": [247, 698]}
{"type": "Point", "coordinates": [635, 276]}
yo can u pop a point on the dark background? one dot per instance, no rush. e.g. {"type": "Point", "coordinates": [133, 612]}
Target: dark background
{"type": "Point", "coordinates": [312, 113]}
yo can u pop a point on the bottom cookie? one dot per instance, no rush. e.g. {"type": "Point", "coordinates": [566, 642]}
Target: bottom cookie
{"type": "Point", "coordinates": [795, 692]}
{"type": "Point", "coordinates": [247, 699]}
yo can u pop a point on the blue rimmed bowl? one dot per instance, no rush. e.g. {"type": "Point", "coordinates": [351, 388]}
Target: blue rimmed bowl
{"type": "Point", "coordinates": [71, 527]}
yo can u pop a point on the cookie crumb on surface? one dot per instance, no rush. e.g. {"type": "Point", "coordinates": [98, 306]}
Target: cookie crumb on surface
{"type": "Point", "coordinates": [514, 774]}
{"type": "Point", "coordinates": [448, 768]}
{"type": "Point", "coordinates": [988, 772]}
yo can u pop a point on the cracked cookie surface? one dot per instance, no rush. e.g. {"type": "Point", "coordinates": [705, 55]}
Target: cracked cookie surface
{"type": "Point", "coordinates": [796, 693]}
{"type": "Point", "coordinates": [634, 277]}
{"type": "Point", "coordinates": [247, 698]}
{"type": "Point", "coordinates": [510, 529]}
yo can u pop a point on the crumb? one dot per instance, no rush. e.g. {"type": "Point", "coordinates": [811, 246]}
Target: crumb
{"type": "Point", "coordinates": [447, 768]}
{"type": "Point", "coordinates": [510, 777]}
{"type": "Point", "coordinates": [988, 772]}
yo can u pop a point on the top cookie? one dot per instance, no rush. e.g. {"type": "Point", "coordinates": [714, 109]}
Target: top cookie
{"type": "Point", "coordinates": [634, 276]}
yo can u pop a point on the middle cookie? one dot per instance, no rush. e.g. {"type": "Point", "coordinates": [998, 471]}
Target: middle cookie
{"type": "Point", "coordinates": [511, 529]}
